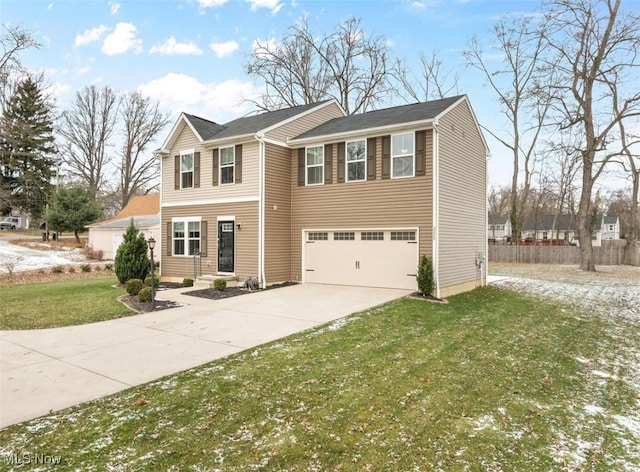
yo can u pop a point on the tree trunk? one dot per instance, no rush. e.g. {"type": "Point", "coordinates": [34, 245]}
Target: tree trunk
{"type": "Point", "coordinates": [632, 233]}
{"type": "Point", "coordinates": [584, 220]}
{"type": "Point", "coordinates": [75, 232]}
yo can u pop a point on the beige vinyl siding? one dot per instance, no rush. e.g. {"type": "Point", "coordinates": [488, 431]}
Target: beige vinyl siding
{"type": "Point", "coordinates": [277, 214]}
{"type": "Point", "coordinates": [463, 216]}
{"type": "Point", "coordinates": [187, 140]}
{"type": "Point", "coordinates": [372, 204]}
{"type": "Point", "coordinates": [305, 123]}
{"type": "Point", "coordinates": [246, 244]}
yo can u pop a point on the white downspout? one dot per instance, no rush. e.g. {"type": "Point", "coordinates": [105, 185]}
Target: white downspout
{"type": "Point", "coordinates": [436, 208]}
{"type": "Point", "coordinates": [261, 206]}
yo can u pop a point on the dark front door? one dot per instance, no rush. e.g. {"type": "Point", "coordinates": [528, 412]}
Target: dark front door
{"type": "Point", "coordinates": [226, 247]}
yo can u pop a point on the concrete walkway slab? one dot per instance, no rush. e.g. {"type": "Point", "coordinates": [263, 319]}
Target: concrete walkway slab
{"type": "Point", "coordinates": [51, 369]}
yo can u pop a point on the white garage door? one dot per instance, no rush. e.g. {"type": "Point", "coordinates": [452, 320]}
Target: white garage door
{"type": "Point", "coordinates": [382, 258]}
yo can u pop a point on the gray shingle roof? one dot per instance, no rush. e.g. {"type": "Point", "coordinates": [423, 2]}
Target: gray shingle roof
{"type": "Point", "coordinates": [249, 124]}
{"type": "Point", "coordinates": [380, 118]}
{"type": "Point", "coordinates": [140, 222]}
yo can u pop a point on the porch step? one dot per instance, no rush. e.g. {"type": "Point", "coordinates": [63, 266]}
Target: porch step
{"type": "Point", "coordinates": [206, 281]}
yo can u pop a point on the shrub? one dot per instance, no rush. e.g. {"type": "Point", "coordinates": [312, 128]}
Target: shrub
{"type": "Point", "coordinates": [85, 267]}
{"type": "Point", "coordinates": [219, 284]}
{"type": "Point", "coordinates": [156, 278]}
{"type": "Point", "coordinates": [425, 276]}
{"type": "Point", "coordinates": [131, 261]}
{"type": "Point", "coordinates": [144, 295]}
{"type": "Point", "coordinates": [71, 270]}
{"type": "Point", "coordinates": [57, 269]}
{"type": "Point", "coordinates": [133, 286]}
{"type": "Point", "coordinates": [92, 254]}
{"type": "Point", "coordinates": [187, 282]}
{"type": "Point", "coordinates": [108, 266]}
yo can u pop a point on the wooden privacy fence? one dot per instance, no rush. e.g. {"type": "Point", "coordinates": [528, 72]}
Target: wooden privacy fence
{"type": "Point", "coordinates": [613, 255]}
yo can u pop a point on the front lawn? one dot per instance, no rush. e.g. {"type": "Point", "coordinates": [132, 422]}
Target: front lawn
{"type": "Point", "coordinates": [53, 304]}
{"type": "Point", "coordinates": [494, 380]}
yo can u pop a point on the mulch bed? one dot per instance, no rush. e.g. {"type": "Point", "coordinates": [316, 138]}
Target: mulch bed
{"type": "Point", "coordinates": [426, 298]}
{"type": "Point", "coordinates": [231, 291]}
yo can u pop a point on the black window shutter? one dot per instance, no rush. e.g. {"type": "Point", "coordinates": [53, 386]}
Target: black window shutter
{"type": "Point", "coordinates": [238, 169]}
{"type": "Point", "coordinates": [176, 180]}
{"type": "Point", "coordinates": [196, 170]}
{"type": "Point", "coordinates": [203, 238]}
{"type": "Point", "coordinates": [215, 166]}
{"type": "Point", "coordinates": [340, 162]}
{"type": "Point", "coordinates": [421, 137]}
{"type": "Point", "coordinates": [371, 159]}
{"type": "Point", "coordinates": [386, 157]}
{"type": "Point", "coordinates": [328, 163]}
{"type": "Point", "coordinates": [169, 237]}
{"type": "Point", "coordinates": [301, 153]}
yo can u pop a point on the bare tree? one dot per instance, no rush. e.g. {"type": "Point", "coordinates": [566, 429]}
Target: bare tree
{"type": "Point", "coordinates": [87, 128]}
{"type": "Point", "coordinates": [515, 80]}
{"type": "Point", "coordinates": [14, 40]}
{"type": "Point", "coordinates": [595, 48]}
{"type": "Point", "coordinates": [431, 82]}
{"type": "Point", "coordinates": [499, 198]}
{"type": "Point", "coordinates": [142, 121]}
{"type": "Point", "coordinates": [347, 64]}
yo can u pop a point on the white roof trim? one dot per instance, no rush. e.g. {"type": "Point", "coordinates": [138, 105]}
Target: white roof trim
{"type": "Point", "coordinates": [175, 129]}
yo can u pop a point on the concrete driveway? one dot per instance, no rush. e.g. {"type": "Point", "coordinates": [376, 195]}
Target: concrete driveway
{"type": "Point", "coordinates": [51, 369]}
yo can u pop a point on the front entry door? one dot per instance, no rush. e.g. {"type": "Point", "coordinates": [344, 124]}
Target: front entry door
{"type": "Point", "coordinates": [226, 249]}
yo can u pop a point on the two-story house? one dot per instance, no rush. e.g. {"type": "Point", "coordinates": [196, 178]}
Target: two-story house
{"type": "Point", "coordinates": [498, 229]}
{"type": "Point", "coordinates": [311, 195]}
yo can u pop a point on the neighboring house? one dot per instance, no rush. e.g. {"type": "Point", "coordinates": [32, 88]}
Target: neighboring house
{"type": "Point", "coordinates": [607, 229]}
{"type": "Point", "coordinates": [106, 236]}
{"type": "Point", "coordinates": [308, 194]}
{"type": "Point", "coordinates": [550, 227]}
{"type": "Point", "coordinates": [498, 229]}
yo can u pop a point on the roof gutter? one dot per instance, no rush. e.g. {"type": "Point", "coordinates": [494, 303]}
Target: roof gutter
{"type": "Point", "coordinates": [261, 205]}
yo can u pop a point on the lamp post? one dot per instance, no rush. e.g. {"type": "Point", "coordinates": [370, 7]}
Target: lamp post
{"type": "Point", "coordinates": [152, 243]}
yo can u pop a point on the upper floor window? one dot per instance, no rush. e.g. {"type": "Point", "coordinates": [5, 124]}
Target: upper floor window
{"type": "Point", "coordinates": [611, 227]}
{"type": "Point", "coordinates": [315, 165]}
{"type": "Point", "coordinates": [227, 160]}
{"type": "Point", "coordinates": [186, 169]}
{"type": "Point", "coordinates": [402, 155]}
{"type": "Point", "coordinates": [356, 161]}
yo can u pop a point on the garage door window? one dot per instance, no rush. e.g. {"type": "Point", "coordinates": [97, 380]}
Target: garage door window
{"type": "Point", "coordinates": [372, 236]}
{"type": "Point", "coordinates": [318, 236]}
{"type": "Point", "coordinates": [403, 235]}
{"type": "Point", "coordinates": [347, 236]}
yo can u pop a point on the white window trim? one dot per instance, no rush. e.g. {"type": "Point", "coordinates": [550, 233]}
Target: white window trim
{"type": "Point", "coordinates": [347, 161]}
{"type": "Point", "coordinates": [413, 157]}
{"type": "Point", "coordinates": [233, 164]}
{"type": "Point", "coordinates": [185, 220]}
{"type": "Point", "coordinates": [306, 166]}
{"type": "Point", "coordinates": [193, 165]}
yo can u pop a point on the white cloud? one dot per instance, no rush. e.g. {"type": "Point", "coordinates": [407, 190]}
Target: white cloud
{"type": "Point", "coordinates": [423, 4]}
{"type": "Point", "coordinates": [217, 101]}
{"type": "Point", "coordinates": [224, 49]}
{"type": "Point", "coordinates": [114, 8]}
{"type": "Point", "coordinates": [273, 5]}
{"type": "Point", "coordinates": [91, 35]}
{"type": "Point", "coordinates": [211, 3]}
{"type": "Point", "coordinates": [50, 6]}
{"type": "Point", "coordinates": [172, 47]}
{"type": "Point", "coordinates": [122, 39]}
{"type": "Point", "coordinates": [262, 48]}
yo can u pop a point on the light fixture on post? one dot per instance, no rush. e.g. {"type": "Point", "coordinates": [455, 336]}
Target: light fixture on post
{"type": "Point", "coordinates": [152, 244]}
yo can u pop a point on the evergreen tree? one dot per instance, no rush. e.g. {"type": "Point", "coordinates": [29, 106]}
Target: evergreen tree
{"type": "Point", "coordinates": [27, 150]}
{"type": "Point", "coordinates": [72, 208]}
{"type": "Point", "coordinates": [131, 261]}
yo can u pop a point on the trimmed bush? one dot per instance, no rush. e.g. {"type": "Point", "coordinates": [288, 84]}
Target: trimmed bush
{"type": "Point", "coordinates": [219, 284]}
{"type": "Point", "coordinates": [144, 295]}
{"type": "Point", "coordinates": [108, 266]}
{"type": "Point", "coordinates": [187, 282]}
{"type": "Point", "coordinates": [131, 261]}
{"type": "Point", "coordinates": [133, 286]}
{"type": "Point", "coordinates": [425, 276]}
{"type": "Point", "coordinates": [57, 269]}
{"type": "Point", "coordinates": [85, 267]}
{"type": "Point", "coordinates": [156, 278]}
{"type": "Point", "coordinates": [71, 270]}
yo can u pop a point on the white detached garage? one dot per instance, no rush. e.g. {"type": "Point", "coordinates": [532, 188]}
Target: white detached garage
{"type": "Point", "coordinates": [363, 257]}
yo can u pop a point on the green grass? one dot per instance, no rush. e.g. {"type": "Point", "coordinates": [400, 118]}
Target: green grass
{"type": "Point", "coordinates": [492, 381]}
{"type": "Point", "coordinates": [49, 305]}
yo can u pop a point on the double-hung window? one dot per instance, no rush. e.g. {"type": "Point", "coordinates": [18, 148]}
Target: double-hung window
{"type": "Point", "coordinates": [186, 237]}
{"type": "Point", "coordinates": [227, 161]}
{"type": "Point", "coordinates": [186, 169]}
{"type": "Point", "coordinates": [315, 165]}
{"type": "Point", "coordinates": [402, 155]}
{"type": "Point", "coordinates": [356, 161]}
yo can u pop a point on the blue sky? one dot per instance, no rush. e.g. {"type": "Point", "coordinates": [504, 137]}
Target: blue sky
{"type": "Point", "coordinates": [189, 54]}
